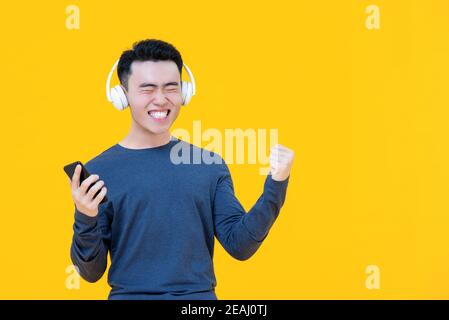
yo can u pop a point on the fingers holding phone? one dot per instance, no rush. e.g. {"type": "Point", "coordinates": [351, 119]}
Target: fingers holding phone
{"type": "Point", "coordinates": [75, 182]}
{"type": "Point", "coordinates": [89, 194]}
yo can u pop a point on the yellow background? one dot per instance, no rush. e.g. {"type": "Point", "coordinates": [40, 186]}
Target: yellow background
{"type": "Point", "coordinates": [364, 110]}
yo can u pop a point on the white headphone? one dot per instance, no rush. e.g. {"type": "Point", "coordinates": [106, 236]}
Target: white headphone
{"type": "Point", "coordinates": [117, 96]}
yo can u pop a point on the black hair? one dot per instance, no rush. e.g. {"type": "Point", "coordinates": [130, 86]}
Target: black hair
{"type": "Point", "coordinates": [146, 50]}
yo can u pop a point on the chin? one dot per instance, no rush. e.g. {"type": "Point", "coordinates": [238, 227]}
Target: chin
{"type": "Point", "coordinates": [158, 130]}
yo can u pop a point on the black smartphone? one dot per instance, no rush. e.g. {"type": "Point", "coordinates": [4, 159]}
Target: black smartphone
{"type": "Point", "coordinates": [70, 170]}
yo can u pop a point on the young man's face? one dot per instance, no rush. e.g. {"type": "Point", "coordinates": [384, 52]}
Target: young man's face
{"type": "Point", "coordinates": [154, 94]}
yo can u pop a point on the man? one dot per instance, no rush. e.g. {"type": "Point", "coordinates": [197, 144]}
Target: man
{"type": "Point", "coordinates": [161, 217]}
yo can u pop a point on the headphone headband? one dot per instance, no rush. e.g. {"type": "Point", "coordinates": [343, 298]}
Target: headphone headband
{"type": "Point", "coordinates": [108, 82]}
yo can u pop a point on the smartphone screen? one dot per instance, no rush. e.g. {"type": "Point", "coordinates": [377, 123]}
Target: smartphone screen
{"type": "Point", "coordinates": [70, 170]}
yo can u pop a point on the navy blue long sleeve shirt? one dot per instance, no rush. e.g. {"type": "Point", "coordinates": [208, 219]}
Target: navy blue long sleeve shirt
{"type": "Point", "coordinates": [160, 221]}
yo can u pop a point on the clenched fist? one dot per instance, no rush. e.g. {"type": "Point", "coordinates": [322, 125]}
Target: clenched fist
{"type": "Point", "coordinates": [281, 160]}
{"type": "Point", "coordinates": [85, 200]}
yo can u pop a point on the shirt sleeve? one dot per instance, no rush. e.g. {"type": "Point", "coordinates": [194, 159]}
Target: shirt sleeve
{"type": "Point", "coordinates": [91, 242]}
{"type": "Point", "coordinates": [241, 233]}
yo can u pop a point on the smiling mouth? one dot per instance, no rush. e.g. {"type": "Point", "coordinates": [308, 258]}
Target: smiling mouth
{"type": "Point", "coordinates": [159, 114]}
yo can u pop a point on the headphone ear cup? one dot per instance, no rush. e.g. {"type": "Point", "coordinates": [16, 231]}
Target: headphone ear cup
{"type": "Point", "coordinates": [118, 98]}
{"type": "Point", "coordinates": [186, 92]}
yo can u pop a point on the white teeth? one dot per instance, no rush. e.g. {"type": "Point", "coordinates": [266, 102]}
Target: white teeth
{"type": "Point", "coordinates": [158, 114]}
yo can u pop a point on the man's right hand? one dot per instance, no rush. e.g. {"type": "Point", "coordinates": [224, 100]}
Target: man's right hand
{"type": "Point", "coordinates": [85, 202]}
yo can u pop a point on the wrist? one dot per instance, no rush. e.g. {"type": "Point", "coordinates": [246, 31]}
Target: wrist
{"type": "Point", "coordinates": [84, 218]}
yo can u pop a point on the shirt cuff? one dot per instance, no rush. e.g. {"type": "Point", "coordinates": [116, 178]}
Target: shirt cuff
{"type": "Point", "coordinates": [84, 219]}
{"type": "Point", "coordinates": [276, 183]}
{"type": "Point", "coordinates": [276, 190]}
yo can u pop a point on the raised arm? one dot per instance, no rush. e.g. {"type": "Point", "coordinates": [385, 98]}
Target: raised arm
{"type": "Point", "coordinates": [241, 233]}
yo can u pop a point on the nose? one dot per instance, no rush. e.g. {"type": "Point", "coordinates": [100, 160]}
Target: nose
{"type": "Point", "coordinates": [159, 98]}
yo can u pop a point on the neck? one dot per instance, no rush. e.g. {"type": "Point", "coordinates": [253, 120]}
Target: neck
{"type": "Point", "coordinates": [138, 138]}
